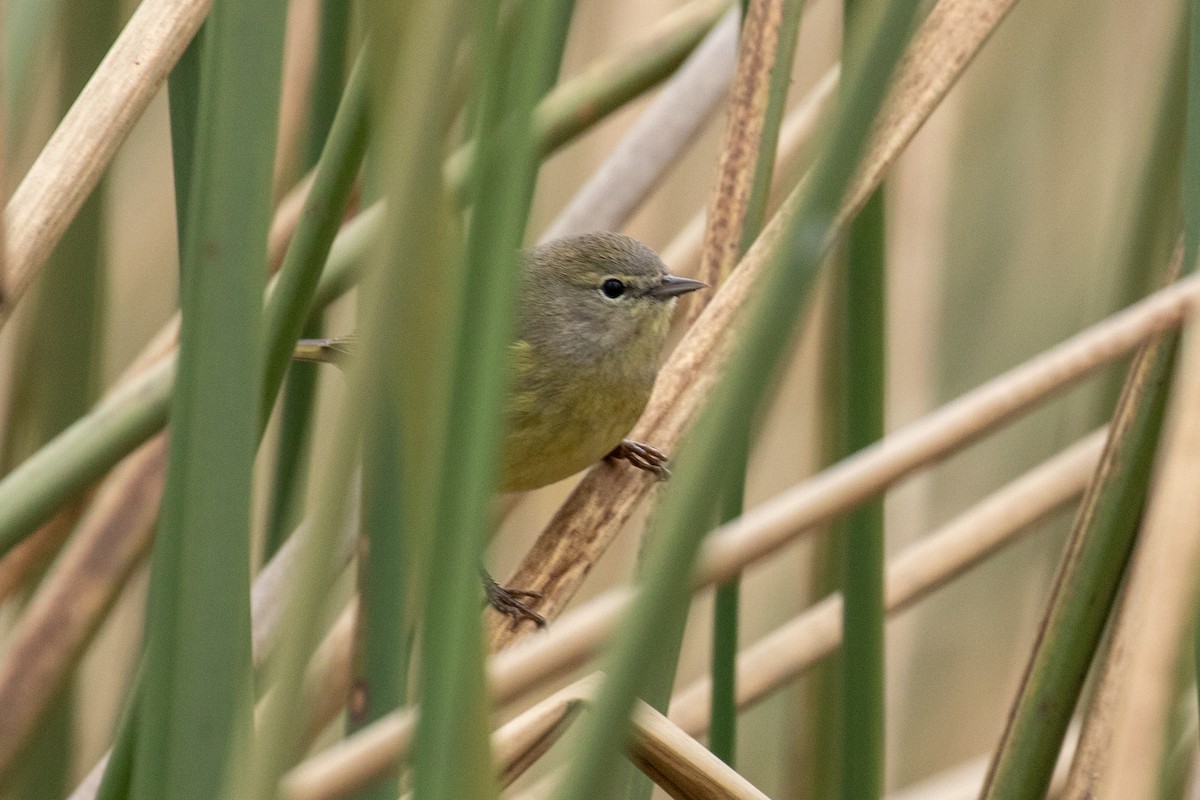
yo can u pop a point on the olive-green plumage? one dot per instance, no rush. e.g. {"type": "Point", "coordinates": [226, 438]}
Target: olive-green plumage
{"type": "Point", "coordinates": [593, 317]}
{"type": "Point", "coordinates": [594, 314]}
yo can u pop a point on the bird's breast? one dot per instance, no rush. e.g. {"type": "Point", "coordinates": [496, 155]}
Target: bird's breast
{"type": "Point", "coordinates": [563, 420]}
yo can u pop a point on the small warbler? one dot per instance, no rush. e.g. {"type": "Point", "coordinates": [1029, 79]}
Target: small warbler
{"type": "Point", "coordinates": [592, 320]}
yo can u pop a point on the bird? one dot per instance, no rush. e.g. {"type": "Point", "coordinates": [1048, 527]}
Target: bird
{"type": "Point", "coordinates": [593, 315]}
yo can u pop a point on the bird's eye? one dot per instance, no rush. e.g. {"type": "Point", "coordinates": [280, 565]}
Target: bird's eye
{"type": "Point", "coordinates": [612, 288]}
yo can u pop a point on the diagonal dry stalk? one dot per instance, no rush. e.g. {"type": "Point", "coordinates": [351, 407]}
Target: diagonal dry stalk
{"type": "Point", "coordinates": [552, 111]}
{"type": "Point", "coordinates": [1089, 534]}
{"type": "Point", "coordinates": [1159, 608]}
{"type": "Point", "coordinates": [41, 545]}
{"type": "Point", "coordinates": [677, 763]}
{"type": "Point", "coordinates": [66, 610]}
{"type": "Point", "coordinates": [798, 129]}
{"type": "Point", "coordinates": [765, 528]}
{"type": "Point", "coordinates": [110, 540]}
{"type": "Point", "coordinates": [912, 574]}
{"type": "Point", "coordinates": [53, 638]}
{"type": "Point", "coordinates": [680, 765]}
{"type": "Point", "coordinates": [763, 666]}
{"type": "Point", "coordinates": [70, 165]}
{"type": "Point", "coordinates": [683, 253]}
{"type": "Point", "coordinates": [650, 147]}
{"type": "Point", "coordinates": [730, 198]}
{"type": "Point", "coordinates": [595, 512]}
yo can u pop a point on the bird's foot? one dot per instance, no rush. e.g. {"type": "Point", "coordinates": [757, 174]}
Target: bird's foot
{"type": "Point", "coordinates": [510, 602]}
{"type": "Point", "coordinates": [642, 456]}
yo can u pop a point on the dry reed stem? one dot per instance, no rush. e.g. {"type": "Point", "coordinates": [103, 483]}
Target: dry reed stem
{"type": "Point", "coordinates": [763, 666]}
{"type": "Point", "coordinates": [680, 765]}
{"type": "Point", "coordinates": [19, 563]}
{"type": "Point", "coordinates": [595, 512]}
{"type": "Point", "coordinates": [682, 255]}
{"type": "Point", "coordinates": [648, 149]}
{"type": "Point", "coordinates": [543, 789]}
{"type": "Point", "coordinates": [1137, 390]}
{"type": "Point", "coordinates": [669, 756]}
{"type": "Point", "coordinates": [295, 98]}
{"type": "Point", "coordinates": [559, 112]}
{"type": "Point", "coordinates": [332, 657]}
{"type": "Point", "coordinates": [338, 771]}
{"type": "Point", "coordinates": [90, 785]}
{"type": "Point", "coordinates": [36, 551]}
{"type": "Point", "coordinates": [110, 540]}
{"type": "Point", "coordinates": [965, 781]}
{"type": "Point", "coordinates": [321, 697]}
{"type": "Point", "coordinates": [67, 608]}
{"type": "Point", "coordinates": [271, 583]}
{"type": "Point", "coordinates": [767, 527]}
{"type": "Point", "coordinates": [1161, 595]}
{"type": "Point", "coordinates": [913, 574]}
{"type": "Point", "coordinates": [519, 743]}
{"type": "Point", "coordinates": [757, 51]}
{"type": "Point", "coordinates": [1095, 746]}
{"type": "Point", "coordinates": [962, 782]}
{"type": "Point", "coordinates": [84, 143]}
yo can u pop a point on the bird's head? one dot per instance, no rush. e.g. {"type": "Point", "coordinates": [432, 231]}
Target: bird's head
{"type": "Point", "coordinates": [599, 296]}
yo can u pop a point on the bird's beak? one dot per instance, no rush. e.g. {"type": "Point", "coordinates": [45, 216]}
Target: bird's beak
{"type": "Point", "coordinates": [672, 286]}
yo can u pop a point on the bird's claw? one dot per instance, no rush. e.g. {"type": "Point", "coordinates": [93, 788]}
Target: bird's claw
{"type": "Point", "coordinates": [642, 456]}
{"type": "Point", "coordinates": [509, 602]}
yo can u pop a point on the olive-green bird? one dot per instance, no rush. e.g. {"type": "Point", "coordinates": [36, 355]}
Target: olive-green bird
{"type": "Point", "coordinates": [593, 317]}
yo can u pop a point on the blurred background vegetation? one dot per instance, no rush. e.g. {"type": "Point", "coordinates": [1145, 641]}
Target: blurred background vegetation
{"type": "Point", "coordinates": [1008, 222]}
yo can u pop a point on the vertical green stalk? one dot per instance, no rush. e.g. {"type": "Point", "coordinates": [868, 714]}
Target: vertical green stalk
{"type": "Point", "coordinates": [1103, 534]}
{"type": "Point", "coordinates": [1191, 169]}
{"type": "Point", "coordinates": [409, 308]}
{"type": "Point", "coordinates": [453, 689]}
{"type": "Point", "coordinates": [1191, 155]}
{"type": "Point", "coordinates": [59, 364]}
{"type": "Point", "coordinates": [384, 623]}
{"type": "Point", "coordinates": [781, 82]}
{"type": "Point", "coordinates": [863, 317]}
{"type": "Point", "coordinates": [293, 451]}
{"type": "Point", "coordinates": [195, 700]}
{"type": "Point", "coordinates": [299, 392]}
{"type": "Point", "coordinates": [658, 681]}
{"type": "Point", "coordinates": [723, 728]}
{"type": "Point", "coordinates": [663, 594]}
{"type": "Point", "coordinates": [862, 624]}
{"type": "Point", "coordinates": [183, 101]}
{"type": "Point", "coordinates": [1094, 562]}
{"type": "Point", "coordinates": [821, 734]}
{"type": "Point", "coordinates": [386, 558]}
{"type": "Point", "coordinates": [722, 733]}
{"type": "Point", "coordinates": [329, 75]}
